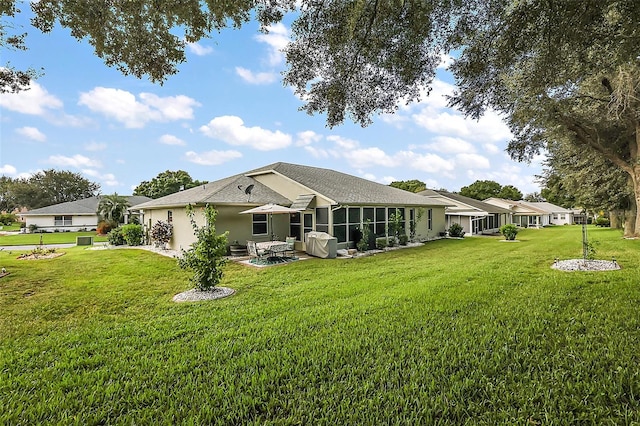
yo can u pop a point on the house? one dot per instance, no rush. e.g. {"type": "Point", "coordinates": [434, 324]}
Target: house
{"type": "Point", "coordinates": [326, 200]}
{"type": "Point", "coordinates": [70, 216]}
{"type": "Point", "coordinates": [534, 214]}
{"type": "Point", "coordinates": [558, 215]}
{"type": "Point", "coordinates": [475, 217]}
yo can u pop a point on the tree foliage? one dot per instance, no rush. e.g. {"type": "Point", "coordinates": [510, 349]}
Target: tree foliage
{"type": "Point", "coordinates": [112, 207]}
{"type": "Point", "coordinates": [413, 185]}
{"type": "Point", "coordinates": [481, 189]}
{"type": "Point", "coordinates": [165, 183]}
{"type": "Point", "coordinates": [206, 256]}
{"type": "Point", "coordinates": [45, 189]}
{"type": "Point", "coordinates": [510, 192]}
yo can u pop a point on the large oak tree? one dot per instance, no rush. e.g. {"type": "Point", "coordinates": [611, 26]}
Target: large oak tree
{"type": "Point", "coordinates": [551, 67]}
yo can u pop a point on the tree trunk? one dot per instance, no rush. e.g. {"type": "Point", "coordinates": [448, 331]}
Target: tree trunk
{"type": "Point", "coordinates": [633, 229]}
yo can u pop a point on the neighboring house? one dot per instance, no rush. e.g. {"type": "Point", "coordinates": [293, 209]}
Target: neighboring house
{"type": "Point", "coordinates": [327, 201]}
{"type": "Point", "coordinates": [70, 216]}
{"type": "Point", "coordinates": [525, 216]}
{"type": "Point", "coordinates": [475, 217]}
{"type": "Point", "coordinates": [558, 215]}
{"type": "Point", "coordinates": [579, 216]}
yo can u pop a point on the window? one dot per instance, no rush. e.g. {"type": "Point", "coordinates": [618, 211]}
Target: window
{"type": "Point", "coordinates": [562, 217]}
{"type": "Point", "coordinates": [354, 225]}
{"type": "Point", "coordinates": [169, 216]}
{"type": "Point", "coordinates": [430, 219]}
{"type": "Point", "coordinates": [295, 227]}
{"type": "Point", "coordinates": [555, 216]}
{"type": "Point", "coordinates": [340, 224]}
{"type": "Point", "coordinates": [381, 222]}
{"type": "Point", "coordinates": [259, 224]}
{"type": "Point", "coordinates": [62, 220]}
{"type": "Point", "coordinates": [308, 222]}
{"type": "Point", "coordinates": [322, 219]}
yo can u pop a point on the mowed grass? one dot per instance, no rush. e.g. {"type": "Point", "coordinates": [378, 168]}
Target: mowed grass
{"type": "Point", "coordinates": [47, 238]}
{"type": "Point", "coordinates": [457, 331]}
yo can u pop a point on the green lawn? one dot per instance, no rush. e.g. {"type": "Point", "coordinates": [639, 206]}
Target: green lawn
{"type": "Point", "coordinates": [47, 238]}
{"type": "Point", "coordinates": [456, 331]}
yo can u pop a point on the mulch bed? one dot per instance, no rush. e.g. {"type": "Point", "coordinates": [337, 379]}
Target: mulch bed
{"type": "Point", "coordinates": [39, 256]}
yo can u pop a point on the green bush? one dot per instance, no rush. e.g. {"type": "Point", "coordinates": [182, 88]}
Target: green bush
{"type": "Point", "coordinates": [161, 233]}
{"type": "Point", "coordinates": [602, 221]}
{"type": "Point", "coordinates": [206, 257]}
{"type": "Point", "coordinates": [456, 231]}
{"type": "Point", "coordinates": [115, 237]}
{"type": "Point", "coordinates": [7, 219]}
{"type": "Point", "coordinates": [33, 228]}
{"type": "Point", "coordinates": [509, 231]}
{"type": "Point", "coordinates": [363, 244]}
{"type": "Point", "coordinates": [381, 243]}
{"type": "Point", "coordinates": [132, 234]}
{"type": "Point", "coordinates": [403, 239]}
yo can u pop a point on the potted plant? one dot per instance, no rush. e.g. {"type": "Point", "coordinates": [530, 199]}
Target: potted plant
{"type": "Point", "coordinates": [237, 249]}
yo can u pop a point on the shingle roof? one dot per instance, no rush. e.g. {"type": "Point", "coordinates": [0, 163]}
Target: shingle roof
{"type": "Point", "coordinates": [347, 189]}
{"type": "Point", "coordinates": [231, 190]}
{"type": "Point", "coordinates": [339, 187]}
{"type": "Point", "coordinates": [489, 208]}
{"type": "Point", "coordinates": [85, 206]}
{"type": "Point", "coordinates": [548, 207]}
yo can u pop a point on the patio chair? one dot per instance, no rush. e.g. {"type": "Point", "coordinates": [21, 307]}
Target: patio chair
{"type": "Point", "coordinates": [255, 252]}
{"type": "Point", "coordinates": [291, 246]}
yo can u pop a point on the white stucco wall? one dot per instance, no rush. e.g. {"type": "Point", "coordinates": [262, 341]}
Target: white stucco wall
{"type": "Point", "coordinates": [47, 223]}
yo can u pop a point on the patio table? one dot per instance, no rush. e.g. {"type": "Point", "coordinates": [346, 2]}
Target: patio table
{"type": "Point", "coordinates": [273, 247]}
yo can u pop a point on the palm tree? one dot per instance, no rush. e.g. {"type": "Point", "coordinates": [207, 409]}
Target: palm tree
{"type": "Point", "coordinates": [112, 207]}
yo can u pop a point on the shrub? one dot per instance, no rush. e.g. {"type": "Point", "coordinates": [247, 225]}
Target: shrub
{"type": "Point", "coordinates": [455, 230]}
{"type": "Point", "coordinates": [115, 237]}
{"type": "Point", "coordinates": [509, 231]}
{"type": "Point", "coordinates": [105, 226]}
{"type": "Point", "coordinates": [161, 233]}
{"type": "Point", "coordinates": [391, 241]}
{"type": "Point", "coordinates": [206, 256]}
{"type": "Point", "coordinates": [8, 218]}
{"type": "Point", "coordinates": [381, 243]}
{"type": "Point", "coordinates": [23, 225]}
{"type": "Point", "coordinates": [132, 234]}
{"type": "Point", "coordinates": [33, 227]}
{"type": "Point", "coordinates": [602, 221]}
{"type": "Point", "coordinates": [403, 239]}
{"type": "Point", "coordinates": [363, 244]}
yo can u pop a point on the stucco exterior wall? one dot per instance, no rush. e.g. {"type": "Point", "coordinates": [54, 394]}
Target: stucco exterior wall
{"type": "Point", "coordinates": [78, 222]}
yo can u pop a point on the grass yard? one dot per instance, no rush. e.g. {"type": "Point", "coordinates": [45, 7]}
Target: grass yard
{"type": "Point", "coordinates": [47, 238]}
{"type": "Point", "coordinates": [456, 331]}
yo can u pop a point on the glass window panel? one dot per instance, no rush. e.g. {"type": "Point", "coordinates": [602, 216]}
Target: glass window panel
{"type": "Point", "coordinates": [322, 228]}
{"type": "Point", "coordinates": [308, 221]}
{"type": "Point", "coordinates": [354, 215]}
{"type": "Point", "coordinates": [322, 215]}
{"type": "Point", "coordinates": [368, 213]}
{"type": "Point", "coordinates": [294, 218]}
{"type": "Point", "coordinates": [339, 216]}
{"type": "Point", "coordinates": [295, 231]}
{"type": "Point", "coordinates": [380, 214]}
{"type": "Point", "coordinates": [260, 228]}
{"type": "Point", "coordinates": [340, 232]}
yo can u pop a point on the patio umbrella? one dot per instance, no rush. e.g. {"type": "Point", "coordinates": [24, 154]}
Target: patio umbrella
{"type": "Point", "coordinates": [270, 209]}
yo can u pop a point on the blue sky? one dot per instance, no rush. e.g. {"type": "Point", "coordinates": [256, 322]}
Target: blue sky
{"type": "Point", "coordinates": [226, 112]}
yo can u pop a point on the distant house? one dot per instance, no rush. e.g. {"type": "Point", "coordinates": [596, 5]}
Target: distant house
{"type": "Point", "coordinates": [475, 217]}
{"type": "Point", "coordinates": [534, 214]}
{"type": "Point", "coordinates": [326, 200]}
{"type": "Point", "coordinates": [70, 216]}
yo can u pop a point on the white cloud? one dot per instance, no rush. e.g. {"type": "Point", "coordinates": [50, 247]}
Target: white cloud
{"type": "Point", "coordinates": [256, 78]}
{"type": "Point", "coordinates": [212, 158]}
{"type": "Point", "coordinates": [472, 161]}
{"type": "Point", "coordinates": [108, 178]}
{"type": "Point", "coordinates": [307, 138]}
{"type": "Point", "coordinates": [445, 61]}
{"type": "Point", "coordinates": [78, 161]}
{"type": "Point", "coordinates": [450, 145]}
{"type": "Point", "coordinates": [171, 140]}
{"type": "Point", "coordinates": [123, 106]}
{"type": "Point", "coordinates": [277, 39]}
{"type": "Point", "coordinates": [95, 146]}
{"type": "Point", "coordinates": [31, 133]}
{"type": "Point", "coordinates": [317, 152]}
{"type": "Point", "coordinates": [198, 49]}
{"type": "Point", "coordinates": [35, 101]}
{"type": "Point", "coordinates": [231, 129]}
{"type": "Point", "coordinates": [8, 170]}
{"type": "Point", "coordinates": [491, 148]}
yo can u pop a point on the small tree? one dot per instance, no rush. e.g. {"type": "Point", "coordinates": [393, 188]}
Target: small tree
{"type": "Point", "coordinates": [161, 233]}
{"type": "Point", "coordinates": [509, 231]}
{"type": "Point", "coordinates": [363, 244]}
{"type": "Point", "coordinates": [206, 256]}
